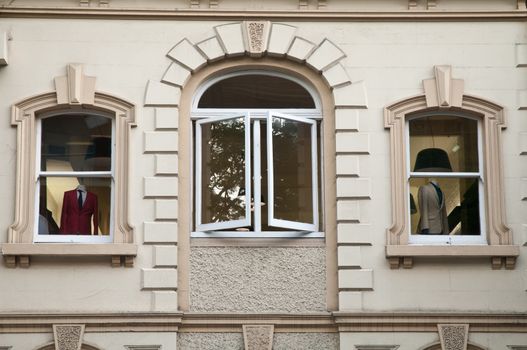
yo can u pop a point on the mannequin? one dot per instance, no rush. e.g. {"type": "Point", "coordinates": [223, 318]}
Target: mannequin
{"type": "Point", "coordinates": [78, 208]}
{"type": "Point", "coordinates": [434, 218]}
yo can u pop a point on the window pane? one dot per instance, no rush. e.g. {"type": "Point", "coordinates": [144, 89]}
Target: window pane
{"type": "Point", "coordinates": [76, 143]}
{"type": "Point", "coordinates": [292, 170]}
{"type": "Point", "coordinates": [445, 206]}
{"type": "Point", "coordinates": [256, 91]}
{"type": "Point", "coordinates": [223, 171]}
{"type": "Point", "coordinates": [444, 144]}
{"type": "Point", "coordinates": [61, 213]}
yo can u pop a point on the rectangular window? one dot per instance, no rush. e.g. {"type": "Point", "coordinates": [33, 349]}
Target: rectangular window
{"type": "Point", "coordinates": [445, 181]}
{"type": "Point", "coordinates": [75, 179]}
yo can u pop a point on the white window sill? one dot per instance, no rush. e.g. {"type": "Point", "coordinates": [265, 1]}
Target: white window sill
{"type": "Point", "coordinates": [253, 234]}
{"type": "Point", "coordinates": [22, 251]}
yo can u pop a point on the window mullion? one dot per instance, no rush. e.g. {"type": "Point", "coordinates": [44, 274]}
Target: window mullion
{"type": "Point", "coordinates": [257, 178]}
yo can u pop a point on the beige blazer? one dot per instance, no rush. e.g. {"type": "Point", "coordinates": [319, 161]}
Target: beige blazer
{"type": "Point", "coordinates": [433, 213]}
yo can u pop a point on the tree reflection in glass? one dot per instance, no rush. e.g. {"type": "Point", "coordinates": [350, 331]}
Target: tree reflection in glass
{"type": "Point", "coordinates": [223, 171]}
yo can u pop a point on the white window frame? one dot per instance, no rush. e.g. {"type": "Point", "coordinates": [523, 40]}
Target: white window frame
{"type": "Point", "coordinates": [314, 172]}
{"type": "Point", "coordinates": [479, 175]}
{"type": "Point", "coordinates": [60, 238]}
{"type": "Point", "coordinates": [233, 223]}
{"type": "Point", "coordinates": [256, 116]}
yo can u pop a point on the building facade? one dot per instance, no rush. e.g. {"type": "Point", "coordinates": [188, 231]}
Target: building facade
{"type": "Point", "coordinates": [299, 174]}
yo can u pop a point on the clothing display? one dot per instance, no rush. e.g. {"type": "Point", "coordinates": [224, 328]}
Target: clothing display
{"type": "Point", "coordinates": [78, 208]}
{"type": "Point", "coordinates": [434, 218]}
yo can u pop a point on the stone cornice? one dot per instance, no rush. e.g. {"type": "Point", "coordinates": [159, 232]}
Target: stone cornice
{"type": "Point", "coordinates": [189, 14]}
{"type": "Point", "coordinates": [282, 322]}
{"type": "Point", "coordinates": [427, 322]}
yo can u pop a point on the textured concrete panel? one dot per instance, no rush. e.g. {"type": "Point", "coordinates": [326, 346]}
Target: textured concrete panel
{"type": "Point", "coordinates": [303, 341]}
{"type": "Point", "coordinates": [210, 341]}
{"type": "Point", "coordinates": [257, 279]}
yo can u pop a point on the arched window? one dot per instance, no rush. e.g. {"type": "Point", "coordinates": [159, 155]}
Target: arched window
{"type": "Point", "coordinates": [257, 157]}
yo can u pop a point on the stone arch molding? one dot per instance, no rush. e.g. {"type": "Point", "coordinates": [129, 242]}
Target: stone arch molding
{"type": "Point", "coordinates": [255, 39]}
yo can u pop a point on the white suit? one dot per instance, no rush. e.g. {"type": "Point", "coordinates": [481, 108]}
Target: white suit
{"type": "Point", "coordinates": [433, 211]}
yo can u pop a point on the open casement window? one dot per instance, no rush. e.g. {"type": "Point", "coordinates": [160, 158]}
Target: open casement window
{"type": "Point", "coordinates": [446, 177]}
{"type": "Point", "coordinates": [223, 173]}
{"type": "Point", "coordinates": [74, 138]}
{"type": "Point", "coordinates": [256, 158]}
{"type": "Point", "coordinates": [75, 178]}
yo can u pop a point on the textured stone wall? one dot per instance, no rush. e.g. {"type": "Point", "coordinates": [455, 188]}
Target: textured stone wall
{"type": "Point", "coordinates": [257, 279]}
{"type": "Point", "coordinates": [234, 341]}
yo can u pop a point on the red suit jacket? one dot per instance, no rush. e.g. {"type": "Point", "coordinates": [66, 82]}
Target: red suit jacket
{"type": "Point", "coordinates": [77, 222]}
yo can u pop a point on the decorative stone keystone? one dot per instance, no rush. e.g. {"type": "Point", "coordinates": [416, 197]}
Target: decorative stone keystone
{"type": "Point", "coordinates": [75, 88]}
{"type": "Point", "coordinates": [443, 91]}
{"type": "Point", "coordinates": [257, 37]}
{"type": "Point", "coordinates": [258, 337]}
{"type": "Point", "coordinates": [453, 336]}
{"type": "Point", "coordinates": [68, 337]}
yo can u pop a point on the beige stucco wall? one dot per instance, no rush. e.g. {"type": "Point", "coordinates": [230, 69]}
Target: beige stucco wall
{"type": "Point", "coordinates": [391, 59]}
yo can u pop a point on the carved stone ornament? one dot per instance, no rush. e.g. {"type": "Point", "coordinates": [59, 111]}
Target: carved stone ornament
{"type": "Point", "coordinates": [75, 88]}
{"type": "Point", "coordinates": [443, 91]}
{"type": "Point", "coordinates": [257, 36]}
{"type": "Point", "coordinates": [68, 337]}
{"type": "Point", "coordinates": [258, 337]}
{"type": "Point", "coordinates": [453, 336]}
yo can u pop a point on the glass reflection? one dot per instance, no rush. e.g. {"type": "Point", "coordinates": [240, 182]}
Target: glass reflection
{"type": "Point", "coordinates": [292, 170]}
{"type": "Point", "coordinates": [223, 171]}
{"type": "Point", "coordinates": [76, 143]}
{"type": "Point", "coordinates": [60, 211]}
{"type": "Point", "coordinates": [444, 144]}
{"type": "Point", "coordinates": [445, 206]}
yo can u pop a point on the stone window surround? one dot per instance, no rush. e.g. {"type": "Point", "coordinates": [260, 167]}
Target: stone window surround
{"type": "Point", "coordinates": [75, 92]}
{"type": "Point", "coordinates": [442, 94]}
